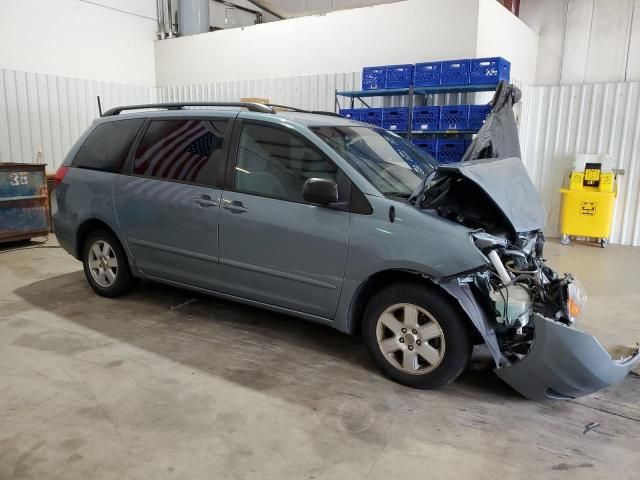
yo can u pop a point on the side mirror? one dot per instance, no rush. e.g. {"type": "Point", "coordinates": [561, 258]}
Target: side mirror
{"type": "Point", "coordinates": [320, 191]}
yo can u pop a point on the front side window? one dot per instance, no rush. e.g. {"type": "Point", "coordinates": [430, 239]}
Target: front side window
{"type": "Point", "coordinates": [108, 145]}
{"type": "Point", "coordinates": [392, 164]}
{"type": "Point", "coordinates": [183, 150]}
{"type": "Point", "coordinates": [276, 163]}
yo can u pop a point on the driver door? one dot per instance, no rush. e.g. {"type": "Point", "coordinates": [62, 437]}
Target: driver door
{"type": "Point", "coordinates": [275, 247]}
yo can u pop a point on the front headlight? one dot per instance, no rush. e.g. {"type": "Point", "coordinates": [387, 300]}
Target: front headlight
{"type": "Point", "coordinates": [576, 299]}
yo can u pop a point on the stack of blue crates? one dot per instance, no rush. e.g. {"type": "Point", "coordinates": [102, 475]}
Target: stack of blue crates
{"type": "Point", "coordinates": [351, 113]}
{"type": "Point", "coordinates": [451, 150]}
{"type": "Point", "coordinates": [374, 78]}
{"type": "Point", "coordinates": [372, 115]}
{"type": "Point", "coordinates": [396, 119]}
{"type": "Point", "coordinates": [489, 70]}
{"type": "Point", "coordinates": [477, 116]}
{"type": "Point", "coordinates": [426, 118]}
{"type": "Point", "coordinates": [399, 76]}
{"type": "Point", "coordinates": [430, 146]}
{"type": "Point", "coordinates": [427, 74]}
{"type": "Point", "coordinates": [454, 117]}
{"type": "Point", "coordinates": [474, 71]}
{"type": "Point", "coordinates": [455, 72]}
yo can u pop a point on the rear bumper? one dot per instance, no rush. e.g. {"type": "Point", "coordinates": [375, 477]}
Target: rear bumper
{"type": "Point", "coordinates": [565, 363]}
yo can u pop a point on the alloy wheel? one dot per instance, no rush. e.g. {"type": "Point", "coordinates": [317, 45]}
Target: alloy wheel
{"type": "Point", "coordinates": [103, 263]}
{"type": "Point", "coordinates": [410, 338]}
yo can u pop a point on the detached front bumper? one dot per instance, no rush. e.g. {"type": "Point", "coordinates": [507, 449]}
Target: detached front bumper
{"type": "Point", "coordinates": [565, 363]}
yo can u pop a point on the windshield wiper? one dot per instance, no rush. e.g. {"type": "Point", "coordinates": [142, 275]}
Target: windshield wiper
{"type": "Point", "coordinates": [394, 193]}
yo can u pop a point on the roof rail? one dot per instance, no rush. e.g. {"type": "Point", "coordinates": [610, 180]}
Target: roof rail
{"type": "Point", "coordinates": [300, 110]}
{"type": "Point", "coordinates": [252, 107]}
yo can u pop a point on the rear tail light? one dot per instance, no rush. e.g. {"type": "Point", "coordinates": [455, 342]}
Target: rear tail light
{"type": "Point", "coordinates": [60, 173]}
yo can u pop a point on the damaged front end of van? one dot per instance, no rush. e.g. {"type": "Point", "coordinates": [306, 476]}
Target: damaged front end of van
{"type": "Point", "coordinates": [527, 313]}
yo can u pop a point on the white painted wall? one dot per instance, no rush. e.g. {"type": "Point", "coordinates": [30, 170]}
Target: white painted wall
{"type": "Point", "coordinates": [501, 34]}
{"type": "Point", "coordinates": [585, 41]}
{"type": "Point", "coordinates": [104, 40]}
{"type": "Point", "coordinates": [343, 41]}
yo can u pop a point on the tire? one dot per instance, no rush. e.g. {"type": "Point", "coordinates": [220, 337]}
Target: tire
{"type": "Point", "coordinates": [106, 270]}
{"type": "Point", "coordinates": [440, 326]}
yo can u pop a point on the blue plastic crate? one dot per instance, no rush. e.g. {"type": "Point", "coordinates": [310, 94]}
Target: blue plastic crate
{"type": "Point", "coordinates": [373, 78]}
{"type": "Point", "coordinates": [489, 70]}
{"type": "Point", "coordinates": [430, 146]}
{"type": "Point", "coordinates": [455, 72]}
{"type": "Point", "coordinates": [351, 113]}
{"type": "Point", "coordinates": [427, 74]}
{"type": "Point", "coordinates": [371, 115]}
{"type": "Point", "coordinates": [451, 150]}
{"type": "Point", "coordinates": [396, 119]}
{"type": "Point", "coordinates": [477, 116]}
{"type": "Point", "coordinates": [454, 117]}
{"type": "Point", "coordinates": [399, 76]}
{"type": "Point", "coordinates": [426, 118]}
{"type": "Point", "coordinates": [467, 143]}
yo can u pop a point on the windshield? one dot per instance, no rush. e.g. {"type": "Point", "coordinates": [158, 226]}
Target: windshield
{"type": "Point", "coordinates": [391, 163]}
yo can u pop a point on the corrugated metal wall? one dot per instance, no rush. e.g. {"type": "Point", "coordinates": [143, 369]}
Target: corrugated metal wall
{"type": "Point", "coordinates": [560, 121]}
{"type": "Point", "coordinates": [48, 113]}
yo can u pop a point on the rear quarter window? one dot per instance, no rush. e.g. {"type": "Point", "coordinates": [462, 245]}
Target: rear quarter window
{"type": "Point", "coordinates": [107, 146]}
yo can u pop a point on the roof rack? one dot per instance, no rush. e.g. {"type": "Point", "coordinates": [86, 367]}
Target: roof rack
{"type": "Point", "coordinates": [252, 107]}
{"type": "Point", "coordinates": [300, 110]}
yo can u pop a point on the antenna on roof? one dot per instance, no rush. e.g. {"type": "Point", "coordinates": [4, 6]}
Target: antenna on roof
{"type": "Point", "coordinates": [99, 105]}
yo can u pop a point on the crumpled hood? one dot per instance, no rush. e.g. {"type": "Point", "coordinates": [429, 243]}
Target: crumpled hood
{"type": "Point", "coordinates": [508, 184]}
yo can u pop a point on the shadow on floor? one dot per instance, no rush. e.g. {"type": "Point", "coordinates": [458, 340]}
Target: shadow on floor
{"type": "Point", "coordinates": [255, 348]}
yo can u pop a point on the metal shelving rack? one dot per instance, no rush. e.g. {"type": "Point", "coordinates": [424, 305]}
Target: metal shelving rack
{"type": "Point", "coordinates": [412, 92]}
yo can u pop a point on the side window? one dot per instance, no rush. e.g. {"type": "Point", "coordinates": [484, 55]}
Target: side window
{"type": "Point", "coordinates": [183, 150]}
{"type": "Point", "coordinates": [276, 163]}
{"type": "Point", "coordinates": [108, 145]}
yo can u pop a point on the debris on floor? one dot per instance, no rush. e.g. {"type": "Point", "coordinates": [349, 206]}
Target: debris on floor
{"type": "Point", "coordinates": [591, 426]}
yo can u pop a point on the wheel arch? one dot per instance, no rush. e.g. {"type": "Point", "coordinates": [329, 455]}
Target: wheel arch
{"type": "Point", "coordinates": [379, 280]}
{"type": "Point", "coordinates": [92, 224]}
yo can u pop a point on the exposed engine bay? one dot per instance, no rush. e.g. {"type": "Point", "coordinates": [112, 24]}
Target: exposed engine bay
{"type": "Point", "coordinates": [521, 284]}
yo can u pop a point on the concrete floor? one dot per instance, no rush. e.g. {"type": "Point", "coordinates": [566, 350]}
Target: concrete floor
{"type": "Point", "coordinates": [151, 387]}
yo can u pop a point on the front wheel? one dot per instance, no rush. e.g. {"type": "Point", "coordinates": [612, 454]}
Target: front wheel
{"type": "Point", "coordinates": [105, 265]}
{"type": "Point", "coordinates": [416, 336]}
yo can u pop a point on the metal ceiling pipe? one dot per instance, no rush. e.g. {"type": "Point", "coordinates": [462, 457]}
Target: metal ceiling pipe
{"type": "Point", "coordinates": [169, 22]}
{"type": "Point", "coordinates": [193, 17]}
{"type": "Point", "coordinates": [160, 14]}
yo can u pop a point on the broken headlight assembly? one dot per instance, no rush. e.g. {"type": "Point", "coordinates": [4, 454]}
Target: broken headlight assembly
{"type": "Point", "coordinates": [576, 300]}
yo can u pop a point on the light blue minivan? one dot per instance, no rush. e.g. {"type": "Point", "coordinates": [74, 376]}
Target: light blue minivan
{"type": "Point", "coordinates": [337, 222]}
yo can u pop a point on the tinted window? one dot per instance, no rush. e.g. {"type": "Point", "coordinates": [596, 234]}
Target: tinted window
{"type": "Point", "coordinates": [276, 163]}
{"type": "Point", "coordinates": [107, 146]}
{"type": "Point", "coordinates": [183, 150]}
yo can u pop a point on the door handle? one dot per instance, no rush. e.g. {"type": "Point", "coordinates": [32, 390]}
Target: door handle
{"type": "Point", "coordinates": [234, 206]}
{"type": "Point", "coordinates": [205, 201]}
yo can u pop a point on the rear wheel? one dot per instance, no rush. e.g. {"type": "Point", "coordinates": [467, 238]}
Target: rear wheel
{"type": "Point", "coordinates": [105, 264]}
{"type": "Point", "coordinates": [416, 336]}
